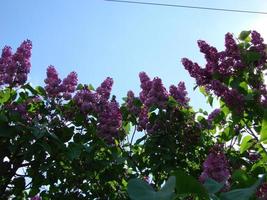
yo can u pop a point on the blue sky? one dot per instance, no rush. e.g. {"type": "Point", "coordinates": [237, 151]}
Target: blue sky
{"type": "Point", "coordinates": [99, 39]}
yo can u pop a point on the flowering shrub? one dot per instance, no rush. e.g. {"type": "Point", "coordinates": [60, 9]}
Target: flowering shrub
{"type": "Point", "coordinates": [69, 140]}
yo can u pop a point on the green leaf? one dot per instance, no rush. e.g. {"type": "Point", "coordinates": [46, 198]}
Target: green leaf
{"type": "Point", "coordinates": [7, 131]}
{"type": "Point", "coordinates": [169, 185]}
{"type": "Point", "coordinates": [172, 102]}
{"type": "Point", "coordinates": [242, 194]}
{"type": "Point", "coordinates": [186, 184]}
{"type": "Point", "coordinates": [210, 100]}
{"type": "Point", "coordinates": [79, 86]}
{"type": "Point", "coordinates": [4, 96]}
{"type": "Point", "coordinates": [140, 190]}
{"type": "Point", "coordinates": [19, 184]}
{"type": "Point", "coordinates": [263, 132]}
{"type": "Point", "coordinates": [213, 186]}
{"type": "Point", "coordinates": [30, 88]}
{"type": "Point", "coordinates": [40, 90]}
{"type": "Point", "coordinates": [74, 150]}
{"type": "Point", "coordinates": [246, 143]}
{"type": "Point", "coordinates": [243, 35]}
{"type": "Point", "coordinates": [252, 56]}
{"type": "Point", "coordinates": [141, 139]}
{"type": "Point", "coordinates": [127, 127]}
{"type": "Point", "coordinates": [203, 90]}
{"type": "Point", "coordinates": [38, 133]}
{"type": "Point", "coordinates": [91, 87]}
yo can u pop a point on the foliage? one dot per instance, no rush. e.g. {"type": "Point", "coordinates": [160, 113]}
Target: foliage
{"type": "Point", "coordinates": [69, 140]}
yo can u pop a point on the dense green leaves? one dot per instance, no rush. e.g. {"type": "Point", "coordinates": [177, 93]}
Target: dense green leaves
{"type": "Point", "coordinates": [141, 190]}
{"type": "Point", "coordinates": [212, 186]}
{"type": "Point", "coordinates": [186, 184]}
{"type": "Point", "coordinates": [263, 132]}
{"type": "Point", "coordinates": [242, 194]}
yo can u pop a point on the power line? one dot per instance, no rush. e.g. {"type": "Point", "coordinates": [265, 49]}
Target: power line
{"type": "Point", "coordinates": [186, 6]}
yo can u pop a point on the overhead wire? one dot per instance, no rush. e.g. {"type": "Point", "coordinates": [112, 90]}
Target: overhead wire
{"type": "Point", "coordinates": [188, 6]}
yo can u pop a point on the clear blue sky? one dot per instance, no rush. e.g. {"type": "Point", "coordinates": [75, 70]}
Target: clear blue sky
{"type": "Point", "coordinates": [99, 39]}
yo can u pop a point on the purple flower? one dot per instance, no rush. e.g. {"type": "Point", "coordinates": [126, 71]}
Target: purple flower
{"type": "Point", "coordinates": [179, 93]}
{"type": "Point", "coordinates": [110, 120]}
{"type": "Point", "coordinates": [14, 69]}
{"type": "Point", "coordinates": [86, 100]}
{"type": "Point", "coordinates": [213, 115]}
{"type": "Point", "coordinates": [142, 119]}
{"type": "Point", "coordinates": [52, 81]}
{"type": "Point", "coordinates": [157, 95]}
{"type": "Point", "coordinates": [216, 166]}
{"type": "Point", "coordinates": [256, 38]}
{"type": "Point", "coordinates": [105, 89]}
{"type": "Point", "coordinates": [36, 197]}
{"type": "Point", "coordinates": [231, 46]}
{"type": "Point", "coordinates": [130, 103]}
{"type": "Point", "coordinates": [262, 192]}
{"type": "Point", "coordinates": [22, 61]}
{"type": "Point", "coordinates": [146, 85]}
{"type": "Point", "coordinates": [202, 76]}
{"type": "Point", "coordinates": [211, 53]}
{"type": "Point", "coordinates": [5, 62]}
{"type": "Point", "coordinates": [69, 85]}
{"type": "Point", "coordinates": [259, 47]}
{"type": "Point", "coordinates": [234, 100]}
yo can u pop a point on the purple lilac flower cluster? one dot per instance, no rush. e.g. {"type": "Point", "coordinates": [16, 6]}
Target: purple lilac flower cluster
{"type": "Point", "coordinates": [110, 120]}
{"type": "Point", "coordinates": [86, 100]}
{"type": "Point", "coordinates": [262, 192]}
{"type": "Point", "coordinates": [143, 119]}
{"type": "Point", "coordinates": [14, 68]}
{"type": "Point", "coordinates": [131, 104]}
{"type": "Point", "coordinates": [260, 47]}
{"type": "Point", "coordinates": [105, 88]}
{"type": "Point", "coordinates": [216, 166]}
{"type": "Point", "coordinates": [179, 93]}
{"type": "Point", "coordinates": [108, 112]}
{"type": "Point", "coordinates": [155, 94]}
{"type": "Point", "coordinates": [55, 88]}
{"type": "Point", "coordinates": [221, 65]}
{"type": "Point", "coordinates": [213, 115]}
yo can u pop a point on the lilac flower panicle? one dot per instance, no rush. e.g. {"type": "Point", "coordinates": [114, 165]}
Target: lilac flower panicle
{"type": "Point", "coordinates": [22, 61]}
{"type": "Point", "coordinates": [86, 100]}
{"type": "Point", "coordinates": [216, 166]}
{"type": "Point", "coordinates": [105, 89]}
{"type": "Point", "coordinates": [214, 114]}
{"type": "Point", "coordinates": [179, 93]}
{"type": "Point", "coordinates": [146, 85]}
{"type": "Point", "coordinates": [202, 76]}
{"type": "Point", "coordinates": [52, 81]}
{"type": "Point", "coordinates": [260, 47]}
{"type": "Point", "coordinates": [234, 100]}
{"type": "Point", "coordinates": [231, 46]}
{"type": "Point", "coordinates": [110, 120]}
{"type": "Point", "coordinates": [5, 62]}
{"type": "Point", "coordinates": [157, 95]}
{"type": "Point", "coordinates": [130, 103]}
{"type": "Point", "coordinates": [211, 53]}
{"type": "Point", "coordinates": [142, 119]}
{"type": "Point", "coordinates": [14, 68]}
{"type": "Point", "coordinates": [256, 38]}
{"type": "Point", "coordinates": [69, 85]}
